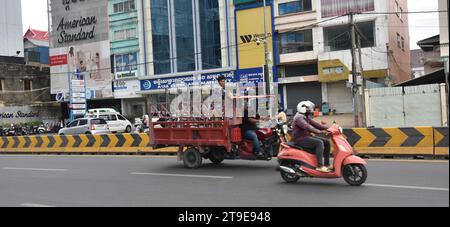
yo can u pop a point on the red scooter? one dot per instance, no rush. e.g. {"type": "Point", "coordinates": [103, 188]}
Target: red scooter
{"type": "Point", "coordinates": [297, 162]}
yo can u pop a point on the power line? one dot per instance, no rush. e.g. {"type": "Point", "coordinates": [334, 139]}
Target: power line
{"type": "Point", "coordinates": [404, 12]}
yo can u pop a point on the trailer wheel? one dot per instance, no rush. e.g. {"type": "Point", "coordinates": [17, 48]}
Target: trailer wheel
{"type": "Point", "coordinates": [192, 158]}
{"type": "Point", "coordinates": [217, 155]}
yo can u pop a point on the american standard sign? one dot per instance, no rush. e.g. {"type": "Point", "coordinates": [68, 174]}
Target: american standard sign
{"type": "Point", "coordinates": [77, 22]}
{"type": "Point", "coordinates": [78, 25]}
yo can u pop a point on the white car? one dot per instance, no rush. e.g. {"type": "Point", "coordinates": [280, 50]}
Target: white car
{"type": "Point", "coordinates": [116, 122]}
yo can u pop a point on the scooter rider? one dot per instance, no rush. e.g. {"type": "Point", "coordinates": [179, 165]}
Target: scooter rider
{"type": "Point", "coordinates": [304, 128]}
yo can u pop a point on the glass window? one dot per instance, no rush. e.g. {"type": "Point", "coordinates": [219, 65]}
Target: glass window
{"type": "Point", "coordinates": [73, 124]}
{"type": "Point", "coordinates": [327, 71]}
{"type": "Point", "coordinates": [331, 8]}
{"type": "Point", "coordinates": [83, 122]}
{"type": "Point", "coordinates": [184, 35]}
{"type": "Point", "coordinates": [123, 7]}
{"type": "Point", "coordinates": [210, 34]}
{"type": "Point", "coordinates": [339, 38]}
{"type": "Point", "coordinates": [294, 7]}
{"type": "Point", "coordinates": [126, 63]}
{"type": "Point", "coordinates": [161, 38]}
{"type": "Point", "coordinates": [298, 41]}
{"type": "Point", "coordinates": [98, 122]}
{"type": "Point", "coordinates": [113, 117]}
{"type": "Point", "coordinates": [340, 70]}
{"type": "Point", "coordinates": [121, 118]}
{"type": "Point", "coordinates": [119, 35]}
{"type": "Point", "coordinates": [125, 34]}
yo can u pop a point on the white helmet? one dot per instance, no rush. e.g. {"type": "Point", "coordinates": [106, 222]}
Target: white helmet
{"type": "Point", "coordinates": [305, 106]}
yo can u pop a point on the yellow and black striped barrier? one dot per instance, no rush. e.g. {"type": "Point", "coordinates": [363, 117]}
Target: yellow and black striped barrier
{"type": "Point", "coordinates": [441, 141]}
{"type": "Point", "coordinates": [384, 141]}
{"type": "Point", "coordinates": [117, 143]}
{"type": "Point", "coordinates": [399, 141]}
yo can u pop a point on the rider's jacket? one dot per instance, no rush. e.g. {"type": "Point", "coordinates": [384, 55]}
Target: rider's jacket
{"type": "Point", "coordinates": [303, 126]}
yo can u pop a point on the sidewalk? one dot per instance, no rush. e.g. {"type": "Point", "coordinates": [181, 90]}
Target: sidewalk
{"type": "Point", "coordinates": [344, 120]}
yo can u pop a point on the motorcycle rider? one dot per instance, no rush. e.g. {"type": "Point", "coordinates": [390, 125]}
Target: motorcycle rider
{"type": "Point", "coordinates": [281, 117]}
{"type": "Point", "coordinates": [304, 128]}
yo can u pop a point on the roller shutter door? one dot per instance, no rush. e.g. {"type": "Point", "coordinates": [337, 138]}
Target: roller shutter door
{"type": "Point", "coordinates": [303, 91]}
{"type": "Point", "coordinates": [340, 97]}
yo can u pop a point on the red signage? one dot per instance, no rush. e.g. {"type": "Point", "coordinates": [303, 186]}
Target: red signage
{"type": "Point", "coordinates": [58, 60]}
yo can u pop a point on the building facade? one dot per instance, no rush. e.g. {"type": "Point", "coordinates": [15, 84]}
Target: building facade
{"type": "Point", "coordinates": [154, 44]}
{"type": "Point", "coordinates": [315, 61]}
{"type": "Point", "coordinates": [36, 47]}
{"type": "Point", "coordinates": [11, 44]}
{"type": "Point", "coordinates": [126, 55]}
{"type": "Point", "coordinates": [443, 26]}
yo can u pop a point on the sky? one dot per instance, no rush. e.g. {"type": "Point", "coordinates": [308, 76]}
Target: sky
{"type": "Point", "coordinates": [34, 14]}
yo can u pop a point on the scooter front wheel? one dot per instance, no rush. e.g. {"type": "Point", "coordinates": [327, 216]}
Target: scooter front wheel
{"type": "Point", "coordinates": [355, 174]}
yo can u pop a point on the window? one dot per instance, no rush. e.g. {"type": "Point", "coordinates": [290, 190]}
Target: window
{"type": "Point", "coordinates": [328, 71]}
{"type": "Point", "coordinates": [125, 34]}
{"type": "Point", "coordinates": [209, 25]}
{"type": "Point", "coordinates": [2, 82]}
{"type": "Point", "coordinates": [186, 38]}
{"type": "Point", "coordinates": [73, 124]}
{"type": "Point", "coordinates": [123, 7]}
{"type": "Point", "coordinates": [400, 42]}
{"type": "Point", "coordinates": [161, 38]}
{"type": "Point", "coordinates": [338, 37]}
{"type": "Point", "coordinates": [111, 117]}
{"type": "Point", "coordinates": [121, 118]}
{"type": "Point", "coordinates": [401, 14]}
{"type": "Point", "coordinates": [98, 122]}
{"type": "Point", "coordinates": [294, 7]}
{"type": "Point", "coordinates": [184, 29]}
{"type": "Point", "coordinates": [298, 41]}
{"type": "Point", "coordinates": [331, 8]}
{"type": "Point", "coordinates": [398, 11]}
{"type": "Point", "coordinates": [301, 70]}
{"type": "Point", "coordinates": [27, 85]}
{"type": "Point", "coordinates": [83, 122]}
{"type": "Point", "coordinates": [126, 65]}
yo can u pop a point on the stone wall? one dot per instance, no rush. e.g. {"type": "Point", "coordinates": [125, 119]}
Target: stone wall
{"type": "Point", "coordinates": [20, 106]}
{"type": "Point", "coordinates": [13, 76]}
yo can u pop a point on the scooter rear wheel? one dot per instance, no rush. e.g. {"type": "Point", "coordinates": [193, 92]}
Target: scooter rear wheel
{"type": "Point", "coordinates": [355, 174]}
{"type": "Point", "coordinates": [289, 177]}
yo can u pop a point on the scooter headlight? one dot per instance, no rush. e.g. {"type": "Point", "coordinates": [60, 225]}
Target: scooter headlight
{"type": "Point", "coordinates": [341, 130]}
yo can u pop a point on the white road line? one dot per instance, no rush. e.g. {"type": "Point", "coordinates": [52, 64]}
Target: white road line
{"type": "Point", "coordinates": [407, 187]}
{"type": "Point", "coordinates": [181, 175]}
{"type": "Point", "coordinates": [35, 169]}
{"type": "Point", "coordinates": [34, 205]}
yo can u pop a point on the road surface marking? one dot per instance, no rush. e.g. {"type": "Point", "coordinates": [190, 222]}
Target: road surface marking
{"type": "Point", "coordinates": [90, 156]}
{"type": "Point", "coordinates": [34, 205]}
{"type": "Point", "coordinates": [407, 161]}
{"type": "Point", "coordinates": [181, 175]}
{"type": "Point", "coordinates": [34, 169]}
{"type": "Point", "coordinates": [407, 187]}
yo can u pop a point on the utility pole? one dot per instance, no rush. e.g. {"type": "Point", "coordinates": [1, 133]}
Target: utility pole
{"type": "Point", "coordinates": [354, 73]}
{"type": "Point", "coordinates": [361, 96]}
{"type": "Point", "coordinates": [267, 77]}
{"type": "Point", "coordinates": [446, 87]}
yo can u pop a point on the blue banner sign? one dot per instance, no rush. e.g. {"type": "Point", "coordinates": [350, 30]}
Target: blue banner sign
{"type": "Point", "coordinates": [246, 75]}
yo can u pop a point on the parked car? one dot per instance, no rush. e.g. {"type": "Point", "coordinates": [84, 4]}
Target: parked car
{"type": "Point", "coordinates": [116, 122]}
{"type": "Point", "coordinates": [88, 126]}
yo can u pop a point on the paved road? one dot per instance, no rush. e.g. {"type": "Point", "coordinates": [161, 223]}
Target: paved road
{"type": "Point", "coordinates": [163, 182]}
